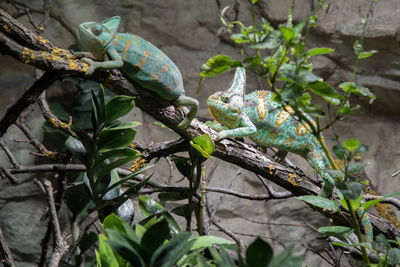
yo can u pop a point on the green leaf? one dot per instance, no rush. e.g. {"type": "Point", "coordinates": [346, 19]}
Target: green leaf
{"type": "Point", "coordinates": [218, 65]}
{"type": "Point", "coordinates": [351, 144]}
{"type": "Point", "coordinates": [381, 243]}
{"type": "Point", "coordinates": [335, 174]}
{"type": "Point", "coordinates": [119, 152]}
{"type": "Point", "coordinates": [206, 143]}
{"type": "Point", "coordinates": [259, 253]}
{"type": "Point", "coordinates": [109, 139]}
{"type": "Point", "coordinates": [285, 258]}
{"type": "Point", "coordinates": [222, 259]}
{"type": "Point", "coordinates": [119, 106]}
{"type": "Point", "coordinates": [122, 125]}
{"type": "Point", "coordinates": [254, 1]}
{"type": "Point", "coordinates": [126, 247]}
{"type": "Point", "coordinates": [271, 41]}
{"type": "Point", "coordinates": [320, 202]}
{"type": "Point", "coordinates": [288, 33]}
{"type": "Point", "coordinates": [171, 196]}
{"type": "Point", "coordinates": [208, 241]}
{"type": "Point", "coordinates": [350, 190]}
{"type": "Point", "coordinates": [183, 165]}
{"type": "Point", "coordinates": [155, 236]}
{"type": "Point", "coordinates": [358, 90]}
{"type": "Point", "coordinates": [106, 254]}
{"type": "Point", "coordinates": [149, 207]}
{"type": "Point", "coordinates": [113, 222]}
{"type": "Point", "coordinates": [240, 38]}
{"type": "Point", "coordinates": [367, 54]}
{"type": "Point", "coordinates": [355, 167]}
{"type": "Point", "coordinates": [184, 210]}
{"type": "Point", "coordinates": [394, 255]}
{"type": "Point", "coordinates": [373, 202]}
{"type": "Point", "coordinates": [87, 240]}
{"type": "Point", "coordinates": [171, 252]}
{"type": "Point", "coordinates": [319, 51]}
{"type": "Point", "coordinates": [325, 91]}
{"type": "Point", "coordinates": [339, 231]}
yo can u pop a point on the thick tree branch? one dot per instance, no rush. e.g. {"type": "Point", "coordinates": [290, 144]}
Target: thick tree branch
{"type": "Point", "coordinates": [238, 153]}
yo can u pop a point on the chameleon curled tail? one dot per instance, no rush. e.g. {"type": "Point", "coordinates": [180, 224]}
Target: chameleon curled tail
{"type": "Point", "coordinates": [267, 123]}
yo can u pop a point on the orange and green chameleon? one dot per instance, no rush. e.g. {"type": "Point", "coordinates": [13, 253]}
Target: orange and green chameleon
{"type": "Point", "coordinates": [137, 58]}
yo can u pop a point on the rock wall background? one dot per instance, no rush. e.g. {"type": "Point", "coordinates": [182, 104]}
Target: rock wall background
{"type": "Point", "coordinates": [188, 32]}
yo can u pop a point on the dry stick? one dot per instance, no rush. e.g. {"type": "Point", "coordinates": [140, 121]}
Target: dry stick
{"type": "Point", "coordinates": [28, 98]}
{"type": "Point", "coordinates": [238, 153]}
{"type": "Point", "coordinates": [261, 197]}
{"type": "Point", "coordinates": [14, 180]}
{"type": "Point", "coordinates": [61, 243]}
{"type": "Point", "coordinates": [5, 253]}
{"type": "Point", "coordinates": [272, 193]}
{"type": "Point", "coordinates": [9, 154]}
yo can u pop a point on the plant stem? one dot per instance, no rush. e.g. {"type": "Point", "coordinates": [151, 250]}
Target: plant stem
{"type": "Point", "coordinates": [358, 231]}
{"type": "Point", "coordinates": [202, 204]}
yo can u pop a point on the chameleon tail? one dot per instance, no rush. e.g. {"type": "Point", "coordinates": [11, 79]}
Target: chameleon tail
{"type": "Point", "coordinates": [369, 234]}
{"type": "Point", "coordinates": [317, 159]}
{"type": "Point", "coordinates": [188, 102]}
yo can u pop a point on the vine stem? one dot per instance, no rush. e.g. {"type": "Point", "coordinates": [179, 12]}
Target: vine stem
{"type": "Point", "coordinates": [202, 203]}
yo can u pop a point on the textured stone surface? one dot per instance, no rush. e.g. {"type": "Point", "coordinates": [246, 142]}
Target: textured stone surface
{"type": "Point", "coordinates": [187, 32]}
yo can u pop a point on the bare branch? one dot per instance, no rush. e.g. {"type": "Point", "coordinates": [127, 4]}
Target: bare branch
{"type": "Point", "coordinates": [61, 244]}
{"type": "Point", "coordinates": [247, 196]}
{"type": "Point", "coordinates": [9, 176]}
{"type": "Point", "coordinates": [9, 154]}
{"type": "Point", "coordinates": [5, 253]}
{"type": "Point", "coordinates": [161, 149]}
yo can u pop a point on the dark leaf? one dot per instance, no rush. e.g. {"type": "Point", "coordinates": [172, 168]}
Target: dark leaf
{"type": "Point", "coordinates": [259, 253]}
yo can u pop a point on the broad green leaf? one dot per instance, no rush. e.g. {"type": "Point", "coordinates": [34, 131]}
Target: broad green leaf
{"type": "Point", "coordinates": [287, 33]}
{"type": "Point", "coordinates": [325, 91]}
{"type": "Point", "coordinates": [320, 202]}
{"type": "Point", "coordinates": [307, 76]}
{"type": "Point", "coordinates": [259, 253]}
{"type": "Point", "coordinates": [87, 240]}
{"type": "Point", "coordinates": [106, 255]}
{"type": "Point", "coordinates": [240, 38]}
{"type": "Point", "coordinates": [335, 174]}
{"type": "Point", "coordinates": [155, 236]}
{"type": "Point", "coordinates": [254, 1]}
{"type": "Point", "coordinates": [119, 106]}
{"type": "Point", "coordinates": [149, 207]}
{"type": "Point", "coordinates": [111, 166]}
{"type": "Point", "coordinates": [206, 143]}
{"type": "Point", "coordinates": [102, 102]}
{"type": "Point", "coordinates": [394, 255]}
{"type": "Point", "coordinates": [113, 222]}
{"type": "Point", "coordinates": [381, 243]}
{"type": "Point", "coordinates": [271, 41]}
{"type": "Point", "coordinates": [127, 248]}
{"type": "Point", "coordinates": [373, 202]}
{"type": "Point", "coordinates": [183, 165]}
{"type": "Point", "coordinates": [355, 167]}
{"type": "Point", "coordinates": [208, 241]}
{"type": "Point", "coordinates": [319, 51]}
{"type": "Point", "coordinates": [119, 152]}
{"type": "Point", "coordinates": [218, 65]}
{"type": "Point", "coordinates": [171, 252]}
{"type": "Point", "coordinates": [358, 90]}
{"type": "Point", "coordinates": [285, 258]}
{"type": "Point", "coordinates": [339, 231]}
{"type": "Point", "coordinates": [115, 139]}
{"type": "Point", "coordinates": [350, 190]}
{"type": "Point", "coordinates": [351, 144]}
{"type": "Point", "coordinates": [222, 259]}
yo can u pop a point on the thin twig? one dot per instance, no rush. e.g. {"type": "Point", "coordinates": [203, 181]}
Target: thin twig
{"type": "Point", "coordinates": [61, 244]}
{"type": "Point", "coordinates": [5, 253]}
{"type": "Point", "coordinates": [9, 154]}
{"type": "Point", "coordinates": [272, 193]}
{"type": "Point", "coordinates": [247, 196]}
{"type": "Point", "coordinates": [14, 180]}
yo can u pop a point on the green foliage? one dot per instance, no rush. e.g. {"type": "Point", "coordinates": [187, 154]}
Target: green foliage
{"type": "Point", "coordinates": [320, 202]}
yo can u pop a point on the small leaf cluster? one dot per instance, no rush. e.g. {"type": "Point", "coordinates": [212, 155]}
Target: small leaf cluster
{"type": "Point", "coordinates": [157, 240]}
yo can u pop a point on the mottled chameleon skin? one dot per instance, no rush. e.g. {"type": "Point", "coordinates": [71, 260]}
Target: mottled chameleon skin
{"type": "Point", "coordinates": [137, 58]}
{"type": "Point", "coordinates": [267, 123]}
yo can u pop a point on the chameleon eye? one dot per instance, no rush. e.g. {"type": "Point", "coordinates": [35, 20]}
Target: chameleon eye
{"type": "Point", "coordinates": [96, 29]}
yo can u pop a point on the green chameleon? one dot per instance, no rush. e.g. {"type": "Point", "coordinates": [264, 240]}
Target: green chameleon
{"type": "Point", "coordinates": [137, 58]}
{"type": "Point", "coordinates": [267, 123]}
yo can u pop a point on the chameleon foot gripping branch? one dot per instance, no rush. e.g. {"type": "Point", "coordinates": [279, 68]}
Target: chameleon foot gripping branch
{"type": "Point", "coordinates": [141, 61]}
{"type": "Point", "coordinates": [267, 123]}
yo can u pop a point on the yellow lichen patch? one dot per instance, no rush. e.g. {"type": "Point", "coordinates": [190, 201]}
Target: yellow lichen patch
{"type": "Point", "coordinates": [271, 169]}
{"type": "Point", "coordinates": [27, 55]}
{"type": "Point", "coordinates": [5, 27]}
{"type": "Point", "coordinates": [137, 164]}
{"type": "Point", "coordinates": [292, 179]}
{"type": "Point", "coordinates": [42, 40]}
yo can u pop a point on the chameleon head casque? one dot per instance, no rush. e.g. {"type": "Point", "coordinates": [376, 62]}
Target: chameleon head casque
{"type": "Point", "coordinates": [230, 101]}
{"type": "Point", "coordinates": [138, 59]}
{"type": "Point", "coordinates": [95, 37]}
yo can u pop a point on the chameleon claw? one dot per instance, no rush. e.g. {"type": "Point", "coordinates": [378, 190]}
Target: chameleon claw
{"type": "Point", "coordinates": [91, 67]}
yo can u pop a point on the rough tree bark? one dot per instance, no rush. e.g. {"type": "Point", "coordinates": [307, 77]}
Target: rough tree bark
{"type": "Point", "coordinates": [27, 47]}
